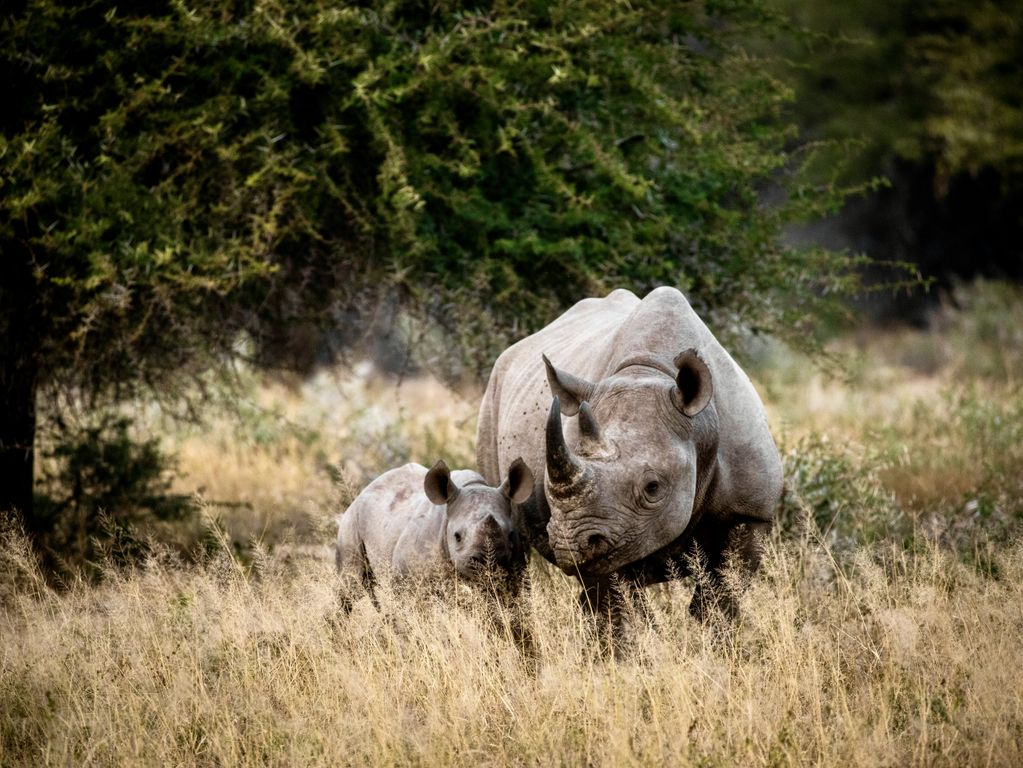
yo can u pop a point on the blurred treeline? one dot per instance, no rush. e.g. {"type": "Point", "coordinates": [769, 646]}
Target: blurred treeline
{"type": "Point", "coordinates": [182, 187]}
{"type": "Point", "coordinates": [929, 97]}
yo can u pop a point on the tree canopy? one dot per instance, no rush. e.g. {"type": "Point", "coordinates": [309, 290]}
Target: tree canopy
{"type": "Point", "coordinates": [929, 96]}
{"type": "Point", "coordinates": [172, 176]}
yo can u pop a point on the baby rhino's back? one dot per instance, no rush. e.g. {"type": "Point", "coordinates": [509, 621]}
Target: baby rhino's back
{"type": "Point", "coordinates": [392, 515]}
{"type": "Point", "coordinates": [420, 549]}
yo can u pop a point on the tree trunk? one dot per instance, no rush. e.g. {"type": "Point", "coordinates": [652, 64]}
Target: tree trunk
{"type": "Point", "coordinates": [18, 379]}
{"type": "Point", "coordinates": [17, 436]}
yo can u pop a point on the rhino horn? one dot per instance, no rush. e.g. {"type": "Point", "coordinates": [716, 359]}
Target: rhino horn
{"type": "Point", "coordinates": [588, 426]}
{"type": "Point", "coordinates": [563, 469]}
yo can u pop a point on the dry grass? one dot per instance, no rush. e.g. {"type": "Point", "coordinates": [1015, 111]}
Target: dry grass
{"type": "Point", "coordinates": [922, 435]}
{"type": "Point", "coordinates": [292, 454]}
{"type": "Point", "coordinates": [899, 659]}
{"type": "Point", "coordinates": [933, 421]}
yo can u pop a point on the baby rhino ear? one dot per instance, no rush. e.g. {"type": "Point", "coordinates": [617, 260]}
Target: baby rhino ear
{"type": "Point", "coordinates": [518, 486]}
{"type": "Point", "coordinates": [439, 487]}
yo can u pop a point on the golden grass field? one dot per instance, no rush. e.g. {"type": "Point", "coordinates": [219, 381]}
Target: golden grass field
{"type": "Point", "coordinates": [885, 627]}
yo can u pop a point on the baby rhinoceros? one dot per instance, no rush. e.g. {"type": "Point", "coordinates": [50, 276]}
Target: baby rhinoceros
{"type": "Point", "coordinates": [424, 526]}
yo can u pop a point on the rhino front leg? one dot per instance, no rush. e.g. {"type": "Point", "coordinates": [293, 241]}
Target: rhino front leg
{"type": "Point", "coordinates": [595, 598]}
{"type": "Point", "coordinates": [612, 601]}
{"type": "Point", "coordinates": [732, 555]}
{"type": "Point", "coordinates": [598, 600]}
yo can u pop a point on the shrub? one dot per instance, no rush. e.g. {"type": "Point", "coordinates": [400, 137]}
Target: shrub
{"type": "Point", "coordinates": [835, 489]}
{"type": "Point", "coordinates": [101, 494]}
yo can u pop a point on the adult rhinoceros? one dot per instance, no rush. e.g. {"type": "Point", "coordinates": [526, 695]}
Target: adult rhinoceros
{"type": "Point", "coordinates": [669, 445]}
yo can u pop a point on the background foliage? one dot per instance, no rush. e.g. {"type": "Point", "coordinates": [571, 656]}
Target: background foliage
{"type": "Point", "coordinates": [184, 184]}
{"type": "Point", "coordinates": [936, 81]}
{"type": "Point", "coordinates": [266, 180]}
{"type": "Point", "coordinates": [927, 94]}
{"type": "Point", "coordinates": [104, 494]}
{"type": "Point", "coordinates": [280, 158]}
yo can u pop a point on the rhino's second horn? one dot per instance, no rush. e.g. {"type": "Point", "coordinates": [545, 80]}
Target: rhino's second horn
{"type": "Point", "coordinates": [588, 426]}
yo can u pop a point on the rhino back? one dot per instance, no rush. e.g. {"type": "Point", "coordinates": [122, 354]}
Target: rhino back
{"type": "Point", "coordinates": [391, 515]}
{"type": "Point", "coordinates": [517, 398]}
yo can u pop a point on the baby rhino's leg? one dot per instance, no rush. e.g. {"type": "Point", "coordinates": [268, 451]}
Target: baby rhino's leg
{"type": "Point", "coordinates": [353, 570]}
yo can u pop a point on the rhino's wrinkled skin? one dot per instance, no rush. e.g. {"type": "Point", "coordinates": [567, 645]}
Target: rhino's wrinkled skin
{"type": "Point", "coordinates": [424, 526]}
{"type": "Point", "coordinates": [665, 444]}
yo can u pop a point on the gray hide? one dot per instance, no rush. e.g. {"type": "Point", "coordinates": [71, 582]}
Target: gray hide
{"type": "Point", "coordinates": [422, 526]}
{"type": "Point", "coordinates": [652, 438]}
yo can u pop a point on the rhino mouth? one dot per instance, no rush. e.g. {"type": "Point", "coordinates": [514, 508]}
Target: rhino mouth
{"type": "Point", "coordinates": [490, 577]}
{"type": "Point", "coordinates": [488, 566]}
{"type": "Point", "coordinates": [573, 567]}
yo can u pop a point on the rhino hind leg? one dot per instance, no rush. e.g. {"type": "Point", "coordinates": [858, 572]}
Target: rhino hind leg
{"type": "Point", "coordinates": [354, 576]}
{"type": "Point", "coordinates": [368, 583]}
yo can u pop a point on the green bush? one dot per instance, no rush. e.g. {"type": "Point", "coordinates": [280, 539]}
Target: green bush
{"type": "Point", "coordinates": [103, 495]}
{"type": "Point", "coordinates": [985, 330]}
{"type": "Point", "coordinates": [176, 177]}
{"type": "Point", "coordinates": [956, 467]}
{"type": "Point", "coordinates": [838, 492]}
{"type": "Point", "coordinates": [935, 82]}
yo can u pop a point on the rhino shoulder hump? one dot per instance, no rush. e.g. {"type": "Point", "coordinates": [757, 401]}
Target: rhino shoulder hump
{"type": "Point", "coordinates": [670, 298]}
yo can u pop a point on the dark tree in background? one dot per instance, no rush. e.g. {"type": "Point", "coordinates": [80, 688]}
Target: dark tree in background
{"type": "Point", "coordinates": [176, 177]}
{"type": "Point", "coordinates": [931, 94]}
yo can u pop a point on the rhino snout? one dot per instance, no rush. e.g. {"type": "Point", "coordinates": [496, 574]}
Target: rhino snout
{"type": "Point", "coordinates": [576, 552]}
{"type": "Point", "coordinates": [487, 554]}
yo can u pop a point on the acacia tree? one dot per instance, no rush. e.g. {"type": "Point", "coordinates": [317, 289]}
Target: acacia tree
{"type": "Point", "coordinates": [174, 175]}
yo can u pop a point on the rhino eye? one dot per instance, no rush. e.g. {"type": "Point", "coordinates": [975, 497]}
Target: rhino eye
{"type": "Point", "coordinates": [458, 537]}
{"type": "Point", "coordinates": [653, 490]}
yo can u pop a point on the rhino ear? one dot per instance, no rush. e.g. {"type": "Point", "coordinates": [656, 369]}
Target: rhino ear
{"type": "Point", "coordinates": [570, 389]}
{"type": "Point", "coordinates": [694, 387]}
{"type": "Point", "coordinates": [439, 487]}
{"type": "Point", "coordinates": [518, 486]}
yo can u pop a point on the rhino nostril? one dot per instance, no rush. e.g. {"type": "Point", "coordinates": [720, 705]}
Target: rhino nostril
{"type": "Point", "coordinates": [596, 545]}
